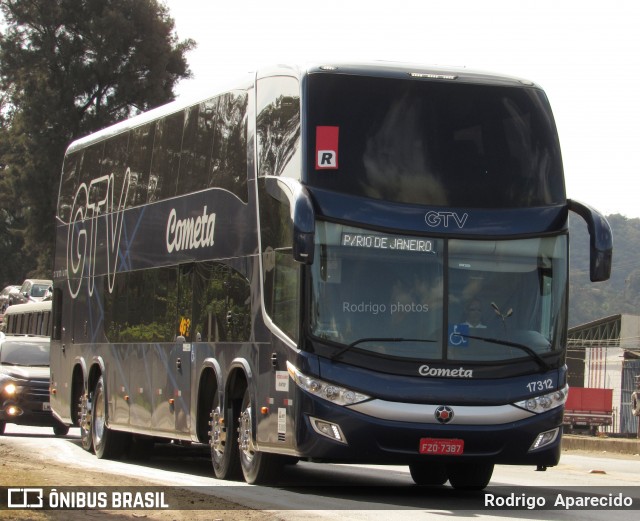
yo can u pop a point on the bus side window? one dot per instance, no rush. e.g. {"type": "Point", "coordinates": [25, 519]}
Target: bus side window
{"type": "Point", "coordinates": [165, 162]}
{"type": "Point", "coordinates": [278, 134]}
{"type": "Point", "coordinates": [142, 306]}
{"type": "Point", "coordinates": [281, 274]}
{"type": "Point", "coordinates": [222, 304]}
{"type": "Point", "coordinates": [141, 149]}
{"type": "Point", "coordinates": [115, 162]}
{"type": "Point", "coordinates": [195, 152]}
{"type": "Point", "coordinates": [69, 184]}
{"type": "Point", "coordinates": [278, 127]}
{"type": "Point", "coordinates": [228, 168]}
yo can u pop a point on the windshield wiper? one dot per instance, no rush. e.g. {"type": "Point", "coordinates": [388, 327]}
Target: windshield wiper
{"type": "Point", "coordinates": [535, 356]}
{"type": "Point", "coordinates": [377, 339]}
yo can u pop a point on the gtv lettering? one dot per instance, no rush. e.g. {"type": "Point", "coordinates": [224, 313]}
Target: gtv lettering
{"type": "Point", "coordinates": [95, 212]}
{"type": "Point", "coordinates": [436, 219]}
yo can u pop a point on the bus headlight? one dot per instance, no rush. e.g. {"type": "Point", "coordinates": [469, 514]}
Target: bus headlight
{"type": "Point", "coordinates": [330, 392]}
{"type": "Point", "coordinates": [545, 402]}
{"type": "Point", "coordinates": [10, 389]}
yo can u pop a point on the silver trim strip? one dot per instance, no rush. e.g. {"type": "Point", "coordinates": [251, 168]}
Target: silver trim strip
{"type": "Point", "coordinates": [425, 413]}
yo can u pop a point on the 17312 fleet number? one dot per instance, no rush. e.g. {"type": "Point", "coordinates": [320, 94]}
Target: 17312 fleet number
{"type": "Point", "coordinates": [540, 385]}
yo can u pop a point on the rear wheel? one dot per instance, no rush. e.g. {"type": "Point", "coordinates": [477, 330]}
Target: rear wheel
{"type": "Point", "coordinates": [108, 444]}
{"type": "Point", "coordinates": [470, 476]}
{"type": "Point", "coordinates": [84, 422]}
{"type": "Point", "coordinates": [257, 467]}
{"type": "Point", "coordinates": [428, 474]}
{"type": "Point", "coordinates": [223, 443]}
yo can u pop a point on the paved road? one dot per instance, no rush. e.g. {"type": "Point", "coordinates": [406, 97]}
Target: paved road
{"type": "Point", "coordinates": [344, 492]}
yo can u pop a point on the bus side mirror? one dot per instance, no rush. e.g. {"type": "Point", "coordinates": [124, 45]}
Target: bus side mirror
{"type": "Point", "coordinates": [600, 241]}
{"type": "Point", "coordinates": [304, 227]}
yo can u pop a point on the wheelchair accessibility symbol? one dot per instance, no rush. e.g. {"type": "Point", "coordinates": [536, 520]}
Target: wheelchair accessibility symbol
{"type": "Point", "coordinates": [458, 335]}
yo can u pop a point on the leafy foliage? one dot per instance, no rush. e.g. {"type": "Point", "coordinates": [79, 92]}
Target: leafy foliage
{"type": "Point", "coordinates": [68, 68]}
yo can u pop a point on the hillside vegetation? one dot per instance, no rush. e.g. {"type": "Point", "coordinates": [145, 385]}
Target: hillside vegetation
{"type": "Point", "coordinates": [621, 293]}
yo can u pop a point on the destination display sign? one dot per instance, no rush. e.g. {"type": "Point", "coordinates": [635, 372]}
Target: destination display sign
{"type": "Point", "coordinates": [386, 242]}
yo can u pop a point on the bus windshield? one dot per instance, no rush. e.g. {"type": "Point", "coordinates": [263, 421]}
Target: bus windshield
{"type": "Point", "coordinates": [434, 143]}
{"type": "Point", "coordinates": [429, 299]}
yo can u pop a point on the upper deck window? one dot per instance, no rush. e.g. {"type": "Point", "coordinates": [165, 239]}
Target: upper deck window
{"type": "Point", "coordinates": [433, 143]}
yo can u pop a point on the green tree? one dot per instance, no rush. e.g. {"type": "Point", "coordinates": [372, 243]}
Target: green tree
{"type": "Point", "coordinates": [67, 68]}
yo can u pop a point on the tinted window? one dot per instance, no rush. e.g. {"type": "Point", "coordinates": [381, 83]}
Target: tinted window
{"type": "Point", "coordinates": [222, 304]}
{"type": "Point", "coordinates": [68, 185]}
{"type": "Point", "coordinates": [434, 143]}
{"type": "Point", "coordinates": [141, 145]}
{"type": "Point", "coordinates": [91, 168]}
{"type": "Point", "coordinates": [202, 302]}
{"type": "Point", "coordinates": [165, 163]}
{"type": "Point", "coordinates": [142, 306]}
{"type": "Point", "coordinates": [281, 274]}
{"type": "Point", "coordinates": [214, 149]}
{"type": "Point", "coordinates": [229, 156]}
{"type": "Point", "coordinates": [116, 163]}
{"type": "Point", "coordinates": [278, 127]}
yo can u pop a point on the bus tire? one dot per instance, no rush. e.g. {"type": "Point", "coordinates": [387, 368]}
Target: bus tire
{"type": "Point", "coordinates": [60, 430]}
{"type": "Point", "coordinates": [84, 422]}
{"type": "Point", "coordinates": [107, 443]}
{"type": "Point", "coordinates": [428, 474]}
{"type": "Point", "coordinates": [470, 476]}
{"type": "Point", "coordinates": [257, 467]}
{"type": "Point", "coordinates": [2, 426]}
{"type": "Point", "coordinates": [222, 443]}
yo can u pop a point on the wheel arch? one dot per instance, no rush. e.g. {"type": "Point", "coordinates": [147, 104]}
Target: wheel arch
{"type": "Point", "coordinates": [78, 387]}
{"type": "Point", "coordinates": [96, 370]}
{"type": "Point", "coordinates": [240, 377]}
{"type": "Point", "coordinates": [209, 382]}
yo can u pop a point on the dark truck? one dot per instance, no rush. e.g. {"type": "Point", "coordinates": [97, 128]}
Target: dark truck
{"type": "Point", "coordinates": [587, 409]}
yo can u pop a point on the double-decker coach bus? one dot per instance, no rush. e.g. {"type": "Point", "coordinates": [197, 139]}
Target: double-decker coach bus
{"type": "Point", "coordinates": [349, 263]}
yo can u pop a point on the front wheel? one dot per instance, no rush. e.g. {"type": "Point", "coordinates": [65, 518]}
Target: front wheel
{"type": "Point", "coordinates": [428, 474]}
{"type": "Point", "coordinates": [470, 476]}
{"type": "Point", "coordinates": [257, 467]}
{"type": "Point", "coordinates": [2, 426]}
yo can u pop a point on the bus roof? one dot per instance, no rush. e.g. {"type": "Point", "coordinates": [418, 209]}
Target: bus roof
{"type": "Point", "coordinates": [416, 71]}
{"type": "Point", "coordinates": [374, 69]}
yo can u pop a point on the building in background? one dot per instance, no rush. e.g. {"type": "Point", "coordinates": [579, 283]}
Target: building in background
{"type": "Point", "coordinates": [605, 354]}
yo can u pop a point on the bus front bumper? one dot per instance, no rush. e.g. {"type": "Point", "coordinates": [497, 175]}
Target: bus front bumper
{"type": "Point", "coordinates": [344, 434]}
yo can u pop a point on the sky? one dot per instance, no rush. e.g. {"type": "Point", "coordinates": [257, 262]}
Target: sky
{"type": "Point", "coordinates": [585, 54]}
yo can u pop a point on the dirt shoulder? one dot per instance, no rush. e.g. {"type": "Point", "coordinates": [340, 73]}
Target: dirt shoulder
{"type": "Point", "coordinates": [20, 468]}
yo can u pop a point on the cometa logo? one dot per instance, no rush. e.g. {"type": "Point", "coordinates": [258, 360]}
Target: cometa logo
{"type": "Point", "coordinates": [460, 372]}
{"type": "Point", "coordinates": [190, 233]}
